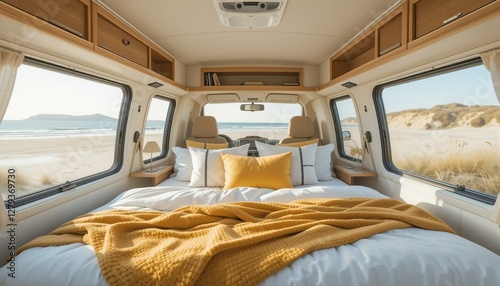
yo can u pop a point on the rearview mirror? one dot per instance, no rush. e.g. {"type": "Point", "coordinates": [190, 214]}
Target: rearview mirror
{"type": "Point", "coordinates": [252, 107]}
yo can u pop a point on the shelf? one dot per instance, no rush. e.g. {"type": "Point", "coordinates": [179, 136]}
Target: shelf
{"type": "Point", "coordinates": [384, 37]}
{"type": "Point", "coordinates": [157, 176]}
{"type": "Point", "coordinates": [162, 64]}
{"type": "Point", "coordinates": [251, 78]}
{"type": "Point", "coordinates": [348, 174]}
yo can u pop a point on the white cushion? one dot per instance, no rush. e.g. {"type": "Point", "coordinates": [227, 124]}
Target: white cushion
{"type": "Point", "coordinates": [323, 162]}
{"type": "Point", "coordinates": [208, 168]}
{"type": "Point", "coordinates": [302, 169]}
{"type": "Point", "coordinates": [183, 166]}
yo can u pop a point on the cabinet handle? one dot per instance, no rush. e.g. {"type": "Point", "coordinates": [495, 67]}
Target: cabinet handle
{"type": "Point", "coordinates": [125, 42]}
{"type": "Point", "coordinates": [453, 18]}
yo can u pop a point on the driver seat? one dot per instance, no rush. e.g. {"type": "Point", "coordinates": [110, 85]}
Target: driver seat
{"type": "Point", "coordinates": [205, 130]}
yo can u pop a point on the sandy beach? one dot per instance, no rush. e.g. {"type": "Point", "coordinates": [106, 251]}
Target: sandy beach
{"type": "Point", "coordinates": [44, 162]}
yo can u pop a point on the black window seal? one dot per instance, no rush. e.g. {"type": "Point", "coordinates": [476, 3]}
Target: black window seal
{"type": "Point", "coordinates": [120, 133]}
{"type": "Point", "coordinates": [338, 127]}
{"type": "Point", "coordinates": [385, 136]}
{"type": "Point", "coordinates": [166, 131]}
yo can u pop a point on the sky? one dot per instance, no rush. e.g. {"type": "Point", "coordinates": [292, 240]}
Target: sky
{"type": "Point", "coordinates": [71, 96]}
{"type": "Point", "coordinates": [467, 86]}
{"type": "Point", "coordinates": [35, 94]}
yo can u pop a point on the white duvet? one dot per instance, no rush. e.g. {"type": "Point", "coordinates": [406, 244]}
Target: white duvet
{"type": "Point", "coordinates": [398, 257]}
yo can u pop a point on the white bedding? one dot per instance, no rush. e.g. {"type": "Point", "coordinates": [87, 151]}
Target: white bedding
{"type": "Point", "coordinates": [398, 257]}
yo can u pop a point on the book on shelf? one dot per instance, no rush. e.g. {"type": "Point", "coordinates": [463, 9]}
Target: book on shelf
{"type": "Point", "coordinates": [211, 79]}
{"type": "Point", "coordinates": [216, 79]}
{"type": "Point", "coordinates": [252, 83]}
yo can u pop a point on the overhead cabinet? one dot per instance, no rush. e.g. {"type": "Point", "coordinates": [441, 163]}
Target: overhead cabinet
{"type": "Point", "coordinates": [412, 24]}
{"type": "Point", "coordinates": [112, 35]}
{"type": "Point", "coordinates": [73, 16]}
{"type": "Point", "coordinates": [116, 39]}
{"type": "Point", "coordinates": [429, 15]}
{"type": "Point", "coordinates": [95, 28]}
{"type": "Point", "coordinates": [386, 36]}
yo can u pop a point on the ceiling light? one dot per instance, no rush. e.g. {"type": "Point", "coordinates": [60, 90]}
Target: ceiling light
{"type": "Point", "coordinates": [255, 14]}
{"type": "Point", "coordinates": [155, 84]}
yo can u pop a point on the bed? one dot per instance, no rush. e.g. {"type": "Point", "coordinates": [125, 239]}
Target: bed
{"type": "Point", "coordinates": [402, 256]}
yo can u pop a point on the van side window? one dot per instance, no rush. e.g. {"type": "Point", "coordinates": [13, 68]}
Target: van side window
{"type": "Point", "coordinates": [62, 128]}
{"type": "Point", "coordinates": [160, 113]}
{"type": "Point", "coordinates": [444, 126]}
{"type": "Point", "coordinates": [346, 122]}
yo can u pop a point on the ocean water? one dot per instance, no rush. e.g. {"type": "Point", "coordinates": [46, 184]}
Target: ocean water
{"type": "Point", "coordinates": [57, 128]}
{"type": "Point", "coordinates": [229, 126]}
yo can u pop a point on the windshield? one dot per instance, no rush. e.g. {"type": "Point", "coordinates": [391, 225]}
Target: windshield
{"type": "Point", "coordinates": [271, 123]}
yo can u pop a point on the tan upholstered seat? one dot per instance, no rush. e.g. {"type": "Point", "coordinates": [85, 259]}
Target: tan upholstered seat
{"type": "Point", "coordinates": [205, 130]}
{"type": "Point", "coordinates": [300, 129]}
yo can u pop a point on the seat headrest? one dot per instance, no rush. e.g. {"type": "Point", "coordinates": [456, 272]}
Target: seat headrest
{"type": "Point", "coordinates": [205, 127]}
{"type": "Point", "coordinates": [301, 126]}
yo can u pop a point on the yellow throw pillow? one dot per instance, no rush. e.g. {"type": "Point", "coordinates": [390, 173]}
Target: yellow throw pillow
{"type": "Point", "coordinates": [272, 172]}
{"type": "Point", "coordinates": [300, 144]}
{"type": "Point", "coordinates": [203, 145]}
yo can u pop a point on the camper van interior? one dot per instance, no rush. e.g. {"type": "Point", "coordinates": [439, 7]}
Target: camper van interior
{"type": "Point", "coordinates": [224, 142]}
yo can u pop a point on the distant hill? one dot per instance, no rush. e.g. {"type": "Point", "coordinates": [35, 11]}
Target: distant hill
{"type": "Point", "coordinates": [350, 121]}
{"type": "Point", "coordinates": [445, 116]}
{"type": "Point", "coordinates": [65, 117]}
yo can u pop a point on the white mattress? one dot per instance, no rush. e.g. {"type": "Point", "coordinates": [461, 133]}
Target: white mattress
{"type": "Point", "coordinates": [398, 257]}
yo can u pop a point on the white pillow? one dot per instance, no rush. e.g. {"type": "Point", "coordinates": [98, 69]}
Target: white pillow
{"type": "Point", "coordinates": [323, 162]}
{"type": "Point", "coordinates": [302, 169]}
{"type": "Point", "coordinates": [208, 168]}
{"type": "Point", "coordinates": [183, 166]}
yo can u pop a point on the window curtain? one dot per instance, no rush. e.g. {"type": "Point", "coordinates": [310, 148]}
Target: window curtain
{"type": "Point", "coordinates": [9, 62]}
{"type": "Point", "coordinates": [491, 60]}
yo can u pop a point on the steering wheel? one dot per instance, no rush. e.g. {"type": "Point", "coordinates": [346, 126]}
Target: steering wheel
{"type": "Point", "coordinates": [230, 141]}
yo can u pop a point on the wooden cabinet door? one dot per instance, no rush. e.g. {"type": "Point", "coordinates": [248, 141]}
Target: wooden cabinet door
{"type": "Point", "coordinates": [118, 41]}
{"type": "Point", "coordinates": [429, 15]}
{"type": "Point", "coordinates": [71, 15]}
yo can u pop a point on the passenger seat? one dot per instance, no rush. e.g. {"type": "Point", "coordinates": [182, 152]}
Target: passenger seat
{"type": "Point", "coordinates": [300, 129]}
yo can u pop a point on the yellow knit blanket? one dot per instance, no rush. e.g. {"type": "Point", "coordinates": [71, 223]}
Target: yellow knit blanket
{"type": "Point", "coordinates": [228, 244]}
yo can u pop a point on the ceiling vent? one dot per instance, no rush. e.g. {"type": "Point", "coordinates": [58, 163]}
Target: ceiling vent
{"type": "Point", "coordinates": [244, 14]}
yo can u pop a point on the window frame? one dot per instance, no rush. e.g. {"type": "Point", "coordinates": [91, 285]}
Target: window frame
{"type": "Point", "coordinates": [338, 127]}
{"type": "Point", "coordinates": [121, 129]}
{"type": "Point", "coordinates": [385, 136]}
{"type": "Point", "coordinates": [167, 128]}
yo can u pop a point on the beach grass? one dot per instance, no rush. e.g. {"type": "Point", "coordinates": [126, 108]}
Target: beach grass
{"type": "Point", "coordinates": [476, 169]}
